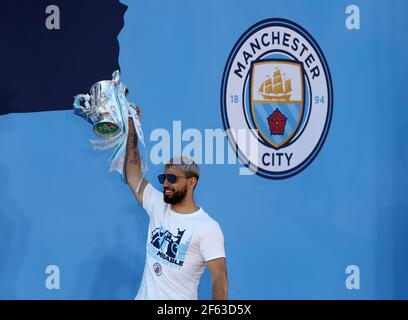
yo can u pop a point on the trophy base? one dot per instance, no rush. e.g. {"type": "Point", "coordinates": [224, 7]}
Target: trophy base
{"type": "Point", "coordinates": [106, 129]}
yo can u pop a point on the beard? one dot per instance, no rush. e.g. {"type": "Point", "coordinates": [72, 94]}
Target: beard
{"type": "Point", "coordinates": [176, 197]}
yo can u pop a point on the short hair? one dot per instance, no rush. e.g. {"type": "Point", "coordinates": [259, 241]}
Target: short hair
{"type": "Point", "coordinates": [189, 167]}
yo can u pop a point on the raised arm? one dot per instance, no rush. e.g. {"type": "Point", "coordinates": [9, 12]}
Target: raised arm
{"type": "Point", "coordinates": [133, 165]}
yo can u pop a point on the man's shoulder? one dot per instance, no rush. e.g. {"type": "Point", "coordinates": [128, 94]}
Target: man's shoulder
{"type": "Point", "coordinates": [206, 221]}
{"type": "Point", "coordinates": [151, 191]}
{"type": "Point", "coordinates": [153, 199]}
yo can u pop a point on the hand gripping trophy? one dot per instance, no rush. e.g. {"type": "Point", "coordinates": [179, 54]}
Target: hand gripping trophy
{"type": "Point", "coordinates": [107, 109]}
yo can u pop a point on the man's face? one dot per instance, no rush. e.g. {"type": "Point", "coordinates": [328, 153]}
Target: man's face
{"type": "Point", "coordinates": [175, 192]}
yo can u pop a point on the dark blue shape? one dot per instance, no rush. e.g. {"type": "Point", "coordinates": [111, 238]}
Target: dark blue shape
{"type": "Point", "coordinates": [41, 69]}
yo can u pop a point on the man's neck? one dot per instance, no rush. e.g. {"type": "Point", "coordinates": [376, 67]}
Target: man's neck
{"type": "Point", "coordinates": [185, 206]}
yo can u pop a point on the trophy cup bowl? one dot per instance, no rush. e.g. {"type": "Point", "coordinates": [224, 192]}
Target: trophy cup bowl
{"type": "Point", "coordinates": [102, 107]}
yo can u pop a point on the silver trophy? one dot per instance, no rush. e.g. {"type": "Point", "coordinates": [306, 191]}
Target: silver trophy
{"type": "Point", "coordinates": [107, 109]}
{"type": "Point", "coordinates": [102, 106]}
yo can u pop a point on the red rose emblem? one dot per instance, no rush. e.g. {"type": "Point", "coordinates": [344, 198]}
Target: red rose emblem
{"type": "Point", "coordinates": [277, 122]}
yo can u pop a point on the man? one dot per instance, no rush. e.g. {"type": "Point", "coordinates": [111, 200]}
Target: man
{"type": "Point", "coordinates": [182, 238]}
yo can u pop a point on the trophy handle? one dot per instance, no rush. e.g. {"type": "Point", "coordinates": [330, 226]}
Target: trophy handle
{"type": "Point", "coordinates": [116, 77]}
{"type": "Point", "coordinates": [82, 110]}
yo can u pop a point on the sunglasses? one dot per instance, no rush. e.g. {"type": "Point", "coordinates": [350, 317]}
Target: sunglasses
{"type": "Point", "coordinates": [171, 178]}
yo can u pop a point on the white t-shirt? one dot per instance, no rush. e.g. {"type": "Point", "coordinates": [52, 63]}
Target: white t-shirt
{"type": "Point", "coordinates": [178, 245]}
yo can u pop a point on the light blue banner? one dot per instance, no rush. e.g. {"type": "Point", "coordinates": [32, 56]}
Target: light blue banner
{"type": "Point", "coordinates": [335, 230]}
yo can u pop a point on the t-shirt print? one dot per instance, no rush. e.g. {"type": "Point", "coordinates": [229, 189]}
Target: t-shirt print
{"type": "Point", "coordinates": [168, 248]}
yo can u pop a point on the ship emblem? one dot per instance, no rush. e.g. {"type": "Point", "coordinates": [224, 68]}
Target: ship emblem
{"type": "Point", "coordinates": [277, 100]}
{"type": "Point", "coordinates": [274, 90]}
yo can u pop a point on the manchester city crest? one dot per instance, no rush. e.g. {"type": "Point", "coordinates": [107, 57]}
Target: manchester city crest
{"type": "Point", "coordinates": [276, 99]}
{"type": "Point", "coordinates": [277, 87]}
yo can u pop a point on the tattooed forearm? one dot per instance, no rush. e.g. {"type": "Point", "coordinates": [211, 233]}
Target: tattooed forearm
{"type": "Point", "coordinates": [133, 166]}
{"type": "Point", "coordinates": [134, 151]}
{"type": "Point", "coordinates": [133, 163]}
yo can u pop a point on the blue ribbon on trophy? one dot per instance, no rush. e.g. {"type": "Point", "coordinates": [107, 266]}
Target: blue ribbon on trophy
{"type": "Point", "coordinates": [107, 109]}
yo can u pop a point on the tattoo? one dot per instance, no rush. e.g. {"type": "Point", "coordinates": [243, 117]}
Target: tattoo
{"type": "Point", "coordinates": [135, 157]}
